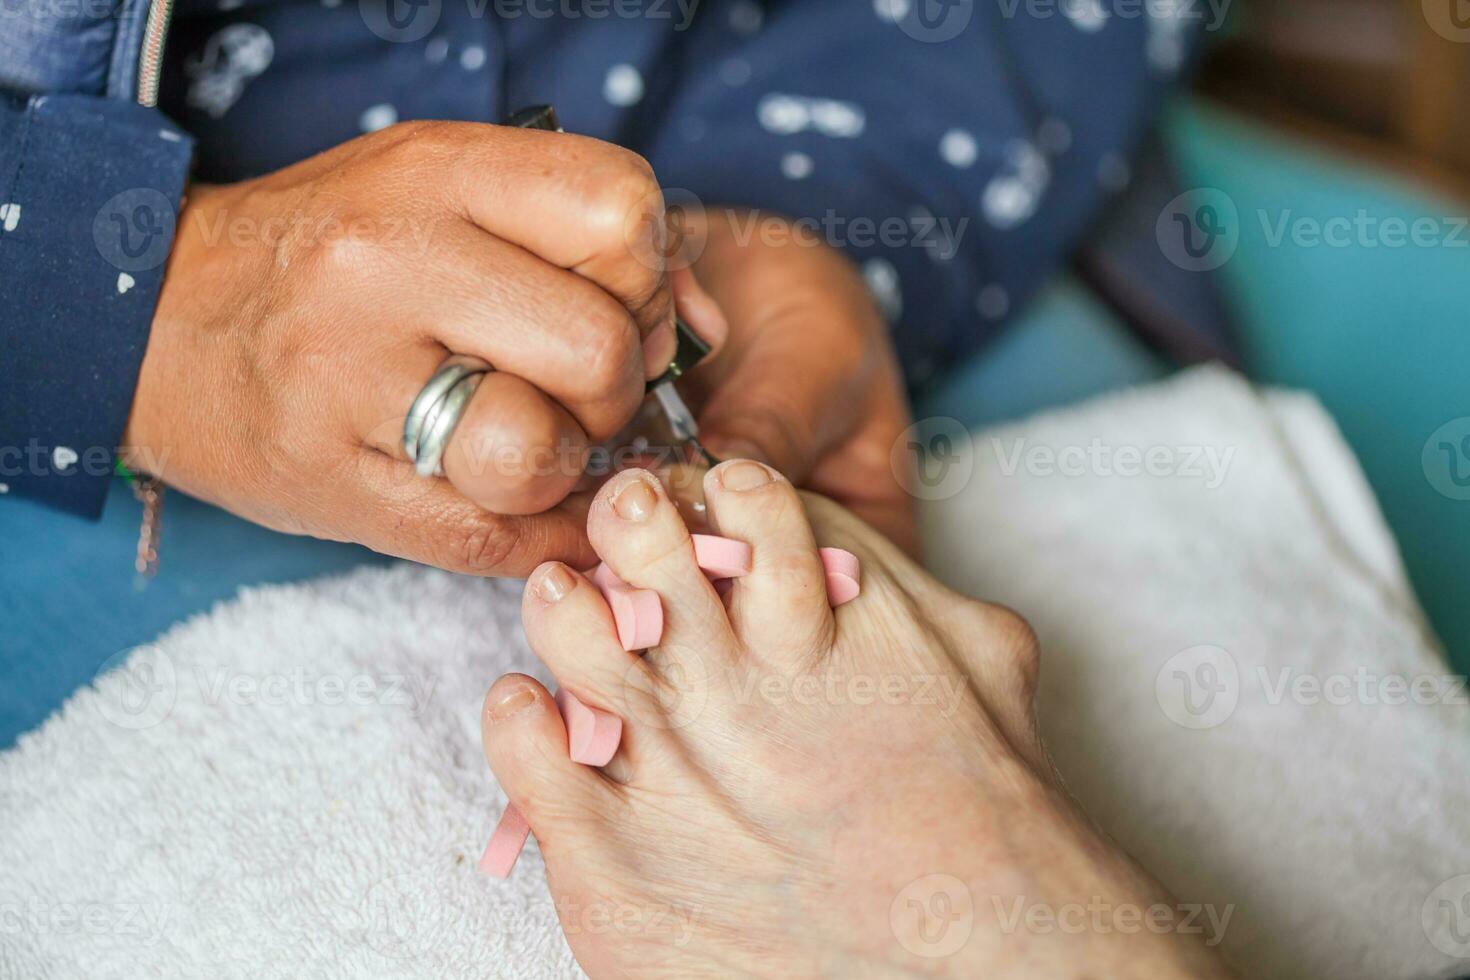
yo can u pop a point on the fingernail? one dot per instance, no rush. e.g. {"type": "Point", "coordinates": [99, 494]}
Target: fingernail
{"type": "Point", "coordinates": [659, 348]}
{"type": "Point", "coordinates": [555, 583]}
{"type": "Point", "coordinates": [513, 703]}
{"type": "Point", "coordinates": [699, 308]}
{"type": "Point", "coordinates": [635, 501]}
{"type": "Point", "coordinates": [744, 475]}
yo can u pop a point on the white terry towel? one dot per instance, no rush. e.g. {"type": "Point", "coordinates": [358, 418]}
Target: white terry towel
{"type": "Point", "coordinates": [292, 785]}
{"type": "Point", "coordinates": [1257, 565]}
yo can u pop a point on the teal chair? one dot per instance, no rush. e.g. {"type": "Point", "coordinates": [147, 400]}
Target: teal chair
{"type": "Point", "coordinates": [1379, 329]}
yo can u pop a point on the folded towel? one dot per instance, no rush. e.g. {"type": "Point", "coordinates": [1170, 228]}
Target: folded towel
{"type": "Point", "coordinates": [1222, 644]}
{"type": "Point", "coordinates": [291, 785]}
{"type": "Point", "coordinates": [288, 786]}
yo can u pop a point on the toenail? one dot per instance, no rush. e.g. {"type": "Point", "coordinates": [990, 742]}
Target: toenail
{"type": "Point", "coordinates": [555, 584]}
{"type": "Point", "coordinates": [513, 703]}
{"type": "Point", "coordinates": [635, 501]}
{"type": "Point", "coordinates": [744, 475]}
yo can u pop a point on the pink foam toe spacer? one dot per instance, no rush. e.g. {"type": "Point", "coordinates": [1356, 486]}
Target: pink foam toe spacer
{"type": "Point", "coordinates": [506, 843]}
{"type": "Point", "coordinates": [603, 577]}
{"type": "Point", "coordinates": [844, 575]}
{"type": "Point", "coordinates": [638, 614]}
{"type": "Point", "coordinates": [721, 557]}
{"type": "Point", "coordinates": [592, 735]}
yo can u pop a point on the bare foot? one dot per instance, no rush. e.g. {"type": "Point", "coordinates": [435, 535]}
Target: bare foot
{"type": "Point", "coordinates": [803, 792]}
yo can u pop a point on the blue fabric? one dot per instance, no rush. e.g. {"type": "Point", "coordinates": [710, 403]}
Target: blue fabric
{"type": "Point", "coordinates": [71, 604]}
{"type": "Point", "coordinates": [90, 188]}
{"type": "Point", "coordinates": [63, 47]}
{"type": "Point", "coordinates": [959, 173]}
{"type": "Point", "coordinates": [1066, 346]}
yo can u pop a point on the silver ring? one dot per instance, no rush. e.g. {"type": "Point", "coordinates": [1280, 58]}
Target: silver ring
{"type": "Point", "coordinates": [437, 409]}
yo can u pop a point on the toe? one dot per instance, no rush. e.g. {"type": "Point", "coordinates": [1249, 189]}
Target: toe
{"type": "Point", "coordinates": [639, 533]}
{"type": "Point", "coordinates": [526, 745]}
{"type": "Point", "coordinates": [780, 610]}
{"type": "Point", "coordinates": [571, 629]}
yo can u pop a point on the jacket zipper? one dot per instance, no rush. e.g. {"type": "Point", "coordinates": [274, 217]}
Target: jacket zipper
{"type": "Point", "coordinates": [146, 487]}
{"type": "Point", "coordinates": [150, 64]}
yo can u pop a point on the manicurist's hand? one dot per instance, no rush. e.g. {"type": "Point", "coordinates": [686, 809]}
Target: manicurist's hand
{"type": "Point", "coordinates": [303, 311]}
{"type": "Point", "coordinates": [808, 380]}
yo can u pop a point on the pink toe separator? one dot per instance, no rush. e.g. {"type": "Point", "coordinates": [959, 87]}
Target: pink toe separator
{"type": "Point", "coordinates": [844, 575]}
{"type": "Point", "coordinates": [637, 613]}
{"type": "Point", "coordinates": [506, 843]}
{"type": "Point", "coordinates": [592, 735]}
{"type": "Point", "coordinates": [721, 558]}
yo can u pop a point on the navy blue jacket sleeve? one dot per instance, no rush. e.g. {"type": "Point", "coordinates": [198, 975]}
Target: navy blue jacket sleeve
{"type": "Point", "coordinates": [89, 196]}
{"type": "Point", "coordinates": [955, 153]}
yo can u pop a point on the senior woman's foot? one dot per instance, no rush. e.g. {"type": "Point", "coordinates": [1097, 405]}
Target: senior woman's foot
{"type": "Point", "coordinates": [802, 791]}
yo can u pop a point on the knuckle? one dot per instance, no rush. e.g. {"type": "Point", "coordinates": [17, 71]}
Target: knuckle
{"type": "Point", "coordinates": [487, 547]}
{"type": "Point", "coordinates": [1017, 644]}
{"type": "Point", "coordinates": [343, 250]}
{"type": "Point", "coordinates": [650, 297]}
{"type": "Point", "coordinates": [612, 354]}
{"type": "Point", "coordinates": [623, 197]}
